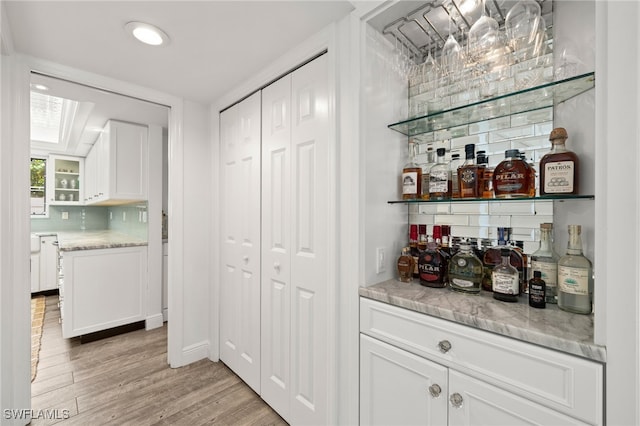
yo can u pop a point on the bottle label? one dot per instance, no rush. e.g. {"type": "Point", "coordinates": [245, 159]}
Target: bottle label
{"type": "Point", "coordinates": [462, 283]}
{"type": "Point", "coordinates": [558, 177]}
{"type": "Point", "coordinates": [439, 182]}
{"type": "Point", "coordinates": [548, 270]}
{"type": "Point", "coordinates": [505, 283]}
{"type": "Point", "coordinates": [410, 183]}
{"type": "Point", "coordinates": [573, 280]}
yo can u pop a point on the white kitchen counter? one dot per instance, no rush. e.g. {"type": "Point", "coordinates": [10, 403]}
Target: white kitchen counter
{"type": "Point", "coordinates": [90, 240]}
{"type": "Point", "coordinates": [550, 327]}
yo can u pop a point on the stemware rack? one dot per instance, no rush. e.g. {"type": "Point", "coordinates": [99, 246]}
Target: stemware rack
{"type": "Point", "coordinates": [426, 29]}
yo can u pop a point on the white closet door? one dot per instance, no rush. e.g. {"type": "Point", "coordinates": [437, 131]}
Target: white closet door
{"type": "Point", "coordinates": [276, 244]}
{"type": "Point", "coordinates": [240, 230]}
{"type": "Point", "coordinates": [311, 208]}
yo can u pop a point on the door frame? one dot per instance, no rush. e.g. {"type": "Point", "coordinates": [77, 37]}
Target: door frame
{"type": "Point", "coordinates": [24, 65]}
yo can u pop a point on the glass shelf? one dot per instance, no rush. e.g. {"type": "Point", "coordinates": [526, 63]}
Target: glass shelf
{"type": "Point", "coordinates": [526, 100]}
{"type": "Point", "coordinates": [498, 200]}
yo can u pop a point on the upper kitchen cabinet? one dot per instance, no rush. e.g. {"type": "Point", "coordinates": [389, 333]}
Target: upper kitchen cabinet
{"type": "Point", "coordinates": [64, 180]}
{"type": "Point", "coordinates": [117, 165]}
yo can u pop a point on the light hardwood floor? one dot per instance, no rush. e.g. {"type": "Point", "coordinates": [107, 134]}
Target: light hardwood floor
{"type": "Point", "coordinates": [125, 380]}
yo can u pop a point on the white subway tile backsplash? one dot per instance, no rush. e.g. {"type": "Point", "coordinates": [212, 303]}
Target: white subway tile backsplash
{"type": "Point", "coordinates": [489, 125]}
{"type": "Point", "coordinates": [470, 231]}
{"type": "Point", "coordinates": [532, 117]}
{"type": "Point", "coordinates": [490, 221]}
{"type": "Point", "coordinates": [435, 208]}
{"type": "Point", "coordinates": [512, 207]}
{"type": "Point", "coordinates": [421, 219]}
{"type": "Point", "coordinates": [530, 221]}
{"type": "Point", "coordinates": [445, 219]}
{"type": "Point", "coordinates": [511, 133]}
{"type": "Point", "coordinates": [544, 129]}
{"type": "Point", "coordinates": [544, 208]}
{"type": "Point", "coordinates": [470, 208]}
{"type": "Point", "coordinates": [522, 234]}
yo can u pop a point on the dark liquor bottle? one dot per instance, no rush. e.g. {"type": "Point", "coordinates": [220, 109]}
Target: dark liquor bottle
{"type": "Point", "coordinates": [492, 257]}
{"type": "Point", "coordinates": [470, 175]}
{"type": "Point", "coordinates": [504, 277]}
{"type": "Point", "coordinates": [412, 177]}
{"type": "Point", "coordinates": [512, 177]}
{"type": "Point", "coordinates": [413, 248]}
{"type": "Point", "coordinates": [440, 178]}
{"type": "Point", "coordinates": [487, 177]}
{"type": "Point", "coordinates": [453, 166]}
{"type": "Point", "coordinates": [433, 265]}
{"type": "Point", "coordinates": [559, 167]}
{"type": "Point", "coordinates": [422, 238]}
{"type": "Point", "coordinates": [405, 266]}
{"type": "Point", "coordinates": [537, 291]}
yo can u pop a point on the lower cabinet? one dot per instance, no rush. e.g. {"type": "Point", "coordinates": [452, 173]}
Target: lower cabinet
{"type": "Point", "coordinates": [102, 289]}
{"type": "Point", "coordinates": [420, 370]}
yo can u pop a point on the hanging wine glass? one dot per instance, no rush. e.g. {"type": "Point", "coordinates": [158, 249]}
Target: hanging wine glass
{"type": "Point", "coordinates": [484, 38]}
{"type": "Point", "coordinates": [452, 56]}
{"type": "Point", "coordinates": [525, 28]}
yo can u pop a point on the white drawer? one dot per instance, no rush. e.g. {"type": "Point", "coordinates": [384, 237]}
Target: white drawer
{"type": "Point", "coordinates": [563, 382]}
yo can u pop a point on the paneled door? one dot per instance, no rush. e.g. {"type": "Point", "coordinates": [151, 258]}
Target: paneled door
{"type": "Point", "coordinates": [295, 211]}
{"type": "Point", "coordinates": [240, 232]}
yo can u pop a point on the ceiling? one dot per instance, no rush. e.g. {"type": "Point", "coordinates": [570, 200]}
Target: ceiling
{"type": "Point", "coordinates": [215, 45]}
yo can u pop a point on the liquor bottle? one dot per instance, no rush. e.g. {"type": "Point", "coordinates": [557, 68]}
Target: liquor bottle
{"type": "Point", "coordinates": [422, 238]}
{"type": "Point", "coordinates": [432, 265]}
{"type": "Point", "coordinates": [465, 271]}
{"type": "Point", "coordinates": [523, 268]}
{"type": "Point", "coordinates": [512, 177]}
{"type": "Point", "coordinates": [446, 238]}
{"type": "Point", "coordinates": [545, 261]}
{"type": "Point", "coordinates": [559, 167]}
{"type": "Point", "coordinates": [426, 167]}
{"type": "Point", "coordinates": [492, 257]}
{"type": "Point", "coordinates": [453, 166]}
{"type": "Point", "coordinates": [532, 174]}
{"type": "Point", "coordinates": [405, 266]}
{"type": "Point", "coordinates": [437, 234]}
{"type": "Point", "coordinates": [411, 176]}
{"type": "Point", "coordinates": [505, 280]}
{"type": "Point", "coordinates": [537, 291]}
{"type": "Point", "coordinates": [469, 176]}
{"type": "Point", "coordinates": [487, 176]}
{"type": "Point", "coordinates": [413, 248]}
{"type": "Point", "coordinates": [440, 178]}
{"type": "Point", "coordinates": [575, 276]}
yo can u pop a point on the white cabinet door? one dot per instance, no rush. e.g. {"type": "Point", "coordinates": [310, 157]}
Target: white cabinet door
{"type": "Point", "coordinates": [473, 402]}
{"type": "Point", "coordinates": [240, 232]}
{"type": "Point", "coordinates": [399, 388]}
{"type": "Point", "coordinates": [276, 245]}
{"type": "Point", "coordinates": [35, 272]}
{"type": "Point", "coordinates": [296, 209]}
{"type": "Point", "coordinates": [48, 263]}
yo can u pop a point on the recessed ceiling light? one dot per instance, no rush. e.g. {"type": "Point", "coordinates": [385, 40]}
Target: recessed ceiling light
{"type": "Point", "coordinates": [147, 33]}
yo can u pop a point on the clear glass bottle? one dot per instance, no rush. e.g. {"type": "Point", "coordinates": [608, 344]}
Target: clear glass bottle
{"type": "Point", "coordinates": [405, 266]}
{"type": "Point", "coordinates": [440, 178]}
{"type": "Point", "coordinates": [559, 167]}
{"type": "Point", "coordinates": [432, 265]}
{"type": "Point", "coordinates": [453, 166]}
{"type": "Point", "coordinates": [575, 276]}
{"type": "Point", "coordinates": [426, 167]}
{"type": "Point", "coordinates": [411, 176]}
{"type": "Point", "coordinates": [469, 175]}
{"type": "Point", "coordinates": [465, 271]}
{"type": "Point", "coordinates": [512, 177]}
{"type": "Point", "coordinates": [545, 260]}
{"type": "Point", "coordinates": [505, 279]}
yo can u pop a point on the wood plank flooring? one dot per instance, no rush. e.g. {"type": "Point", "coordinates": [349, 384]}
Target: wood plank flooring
{"type": "Point", "coordinates": [125, 380]}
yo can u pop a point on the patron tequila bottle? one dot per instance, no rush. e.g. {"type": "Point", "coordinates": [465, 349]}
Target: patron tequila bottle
{"type": "Point", "coordinates": [559, 167]}
{"type": "Point", "coordinates": [575, 276]}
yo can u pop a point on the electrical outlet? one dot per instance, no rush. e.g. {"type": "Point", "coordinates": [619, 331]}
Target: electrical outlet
{"type": "Point", "coordinates": [65, 215]}
{"type": "Point", "coordinates": [381, 258]}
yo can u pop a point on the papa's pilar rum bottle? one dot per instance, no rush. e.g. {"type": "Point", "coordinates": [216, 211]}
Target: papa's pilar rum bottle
{"type": "Point", "coordinates": [470, 175]}
{"type": "Point", "coordinates": [432, 265]}
{"type": "Point", "coordinates": [412, 176]}
{"type": "Point", "coordinates": [559, 167]}
{"type": "Point", "coordinates": [512, 177]}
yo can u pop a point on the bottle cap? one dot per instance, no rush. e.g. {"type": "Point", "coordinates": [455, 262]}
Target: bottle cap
{"type": "Point", "coordinates": [546, 226]}
{"type": "Point", "coordinates": [512, 153]}
{"type": "Point", "coordinates": [537, 274]}
{"type": "Point", "coordinates": [505, 252]}
{"type": "Point", "coordinates": [422, 229]}
{"type": "Point", "coordinates": [575, 228]}
{"type": "Point", "coordinates": [413, 233]}
{"type": "Point", "coordinates": [437, 232]}
{"type": "Point", "coordinates": [558, 133]}
{"type": "Point", "coordinates": [440, 152]}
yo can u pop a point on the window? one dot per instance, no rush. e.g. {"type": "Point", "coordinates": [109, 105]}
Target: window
{"type": "Point", "coordinates": [38, 186]}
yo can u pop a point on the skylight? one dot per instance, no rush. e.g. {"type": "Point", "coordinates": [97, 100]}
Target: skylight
{"type": "Point", "coordinates": [46, 117]}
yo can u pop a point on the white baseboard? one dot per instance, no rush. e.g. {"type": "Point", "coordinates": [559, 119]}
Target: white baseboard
{"type": "Point", "coordinates": [153, 321]}
{"type": "Point", "coordinates": [192, 353]}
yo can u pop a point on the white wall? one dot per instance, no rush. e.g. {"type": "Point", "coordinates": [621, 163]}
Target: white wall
{"type": "Point", "coordinates": [197, 232]}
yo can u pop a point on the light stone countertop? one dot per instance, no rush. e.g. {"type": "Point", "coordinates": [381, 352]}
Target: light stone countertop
{"type": "Point", "coordinates": [550, 327]}
{"type": "Point", "coordinates": [91, 240]}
